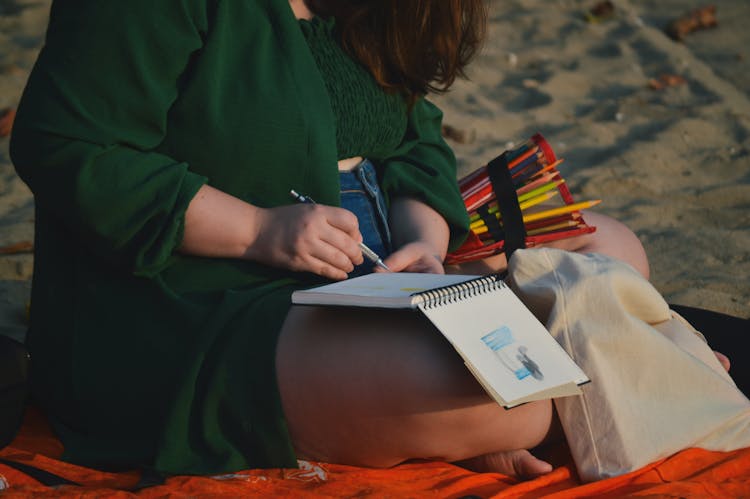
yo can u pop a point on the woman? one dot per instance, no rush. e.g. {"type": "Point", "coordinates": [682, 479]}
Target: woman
{"type": "Point", "coordinates": [161, 141]}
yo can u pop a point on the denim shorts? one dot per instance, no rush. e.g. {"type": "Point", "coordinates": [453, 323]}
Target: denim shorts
{"type": "Point", "coordinates": [361, 194]}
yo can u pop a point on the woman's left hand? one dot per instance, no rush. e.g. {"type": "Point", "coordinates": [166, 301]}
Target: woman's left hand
{"type": "Point", "coordinates": [421, 235]}
{"type": "Point", "coordinates": [417, 256]}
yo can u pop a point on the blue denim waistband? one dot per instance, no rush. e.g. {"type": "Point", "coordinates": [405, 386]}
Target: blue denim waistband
{"type": "Point", "coordinates": [361, 194]}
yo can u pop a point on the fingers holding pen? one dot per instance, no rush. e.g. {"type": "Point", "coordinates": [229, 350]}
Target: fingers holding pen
{"type": "Point", "coordinates": [308, 238]}
{"type": "Point", "coordinates": [337, 243]}
{"type": "Point", "coordinates": [347, 231]}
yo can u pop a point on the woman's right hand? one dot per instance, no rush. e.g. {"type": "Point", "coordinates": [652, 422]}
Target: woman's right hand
{"type": "Point", "coordinates": [307, 238]}
{"type": "Point", "coordinates": [302, 237]}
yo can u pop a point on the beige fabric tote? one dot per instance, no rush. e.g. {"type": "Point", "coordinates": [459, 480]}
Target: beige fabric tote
{"type": "Point", "coordinates": [656, 386]}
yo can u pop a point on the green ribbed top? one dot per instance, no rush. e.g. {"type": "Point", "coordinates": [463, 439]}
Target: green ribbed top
{"type": "Point", "coordinates": [369, 121]}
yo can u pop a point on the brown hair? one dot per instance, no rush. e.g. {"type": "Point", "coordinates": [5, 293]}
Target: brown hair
{"type": "Point", "coordinates": [410, 46]}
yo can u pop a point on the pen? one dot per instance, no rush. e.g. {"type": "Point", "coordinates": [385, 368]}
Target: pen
{"type": "Point", "coordinates": [367, 252]}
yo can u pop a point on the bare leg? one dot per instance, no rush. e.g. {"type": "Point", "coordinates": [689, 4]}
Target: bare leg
{"type": "Point", "coordinates": [611, 238]}
{"type": "Point", "coordinates": [376, 388]}
{"type": "Point", "coordinates": [614, 239]}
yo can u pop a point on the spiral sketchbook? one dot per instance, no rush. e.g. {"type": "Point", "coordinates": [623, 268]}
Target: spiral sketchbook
{"type": "Point", "coordinates": [505, 347]}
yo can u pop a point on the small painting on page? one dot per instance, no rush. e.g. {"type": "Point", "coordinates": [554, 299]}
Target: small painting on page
{"type": "Point", "coordinates": [503, 344]}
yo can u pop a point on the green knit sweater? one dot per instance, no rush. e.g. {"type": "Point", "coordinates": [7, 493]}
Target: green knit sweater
{"type": "Point", "coordinates": [143, 356]}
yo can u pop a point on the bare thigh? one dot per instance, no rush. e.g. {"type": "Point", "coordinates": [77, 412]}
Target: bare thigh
{"type": "Point", "coordinates": [377, 387]}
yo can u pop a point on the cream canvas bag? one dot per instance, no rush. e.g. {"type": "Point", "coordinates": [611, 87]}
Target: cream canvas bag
{"type": "Point", "coordinates": [656, 386]}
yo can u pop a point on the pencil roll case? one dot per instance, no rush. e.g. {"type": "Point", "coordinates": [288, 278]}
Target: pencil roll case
{"type": "Point", "coordinates": [518, 200]}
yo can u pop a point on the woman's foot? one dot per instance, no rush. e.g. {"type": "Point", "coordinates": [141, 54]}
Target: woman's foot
{"type": "Point", "coordinates": [518, 463]}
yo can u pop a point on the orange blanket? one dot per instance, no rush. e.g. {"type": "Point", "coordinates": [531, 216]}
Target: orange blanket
{"type": "Point", "coordinates": [693, 473]}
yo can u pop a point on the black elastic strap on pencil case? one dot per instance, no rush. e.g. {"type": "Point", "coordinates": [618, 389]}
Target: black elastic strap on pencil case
{"type": "Point", "coordinates": [507, 201]}
{"type": "Point", "coordinates": [491, 222]}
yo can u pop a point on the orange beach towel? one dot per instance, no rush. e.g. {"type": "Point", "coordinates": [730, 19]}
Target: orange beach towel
{"type": "Point", "coordinates": [692, 473]}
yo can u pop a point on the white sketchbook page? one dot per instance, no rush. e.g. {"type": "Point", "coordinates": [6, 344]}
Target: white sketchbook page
{"type": "Point", "coordinates": [565, 390]}
{"type": "Point", "coordinates": [386, 290]}
{"type": "Point", "coordinates": [466, 322]}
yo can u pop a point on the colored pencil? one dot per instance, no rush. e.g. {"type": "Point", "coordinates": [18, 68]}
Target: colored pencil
{"type": "Point", "coordinates": [568, 208]}
{"type": "Point", "coordinates": [533, 171]}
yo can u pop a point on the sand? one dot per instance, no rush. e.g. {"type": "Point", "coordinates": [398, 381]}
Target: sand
{"type": "Point", "coordinates": [673, 163]}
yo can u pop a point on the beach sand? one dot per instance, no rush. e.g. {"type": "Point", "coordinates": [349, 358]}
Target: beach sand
{"type": "Point", "coordinates": [672, 163]}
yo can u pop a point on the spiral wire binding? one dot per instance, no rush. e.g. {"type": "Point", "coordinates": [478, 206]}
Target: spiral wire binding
{"type": "Point", "coordinates": [457, 292]}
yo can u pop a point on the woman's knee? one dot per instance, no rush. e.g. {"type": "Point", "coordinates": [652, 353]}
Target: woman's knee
{"type": "Point", "coordinates": [376, 388]}
{"type": "Point", "coordinates": [348, 380]}
{"type": "Point", "coordinates": [615, 239]}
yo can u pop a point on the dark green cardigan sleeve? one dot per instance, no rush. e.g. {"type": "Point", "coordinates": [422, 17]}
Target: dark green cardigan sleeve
{"type": "Point", "coordinates": [93, 113]}
{"type": "Point", "coordinates": [424, 168]}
